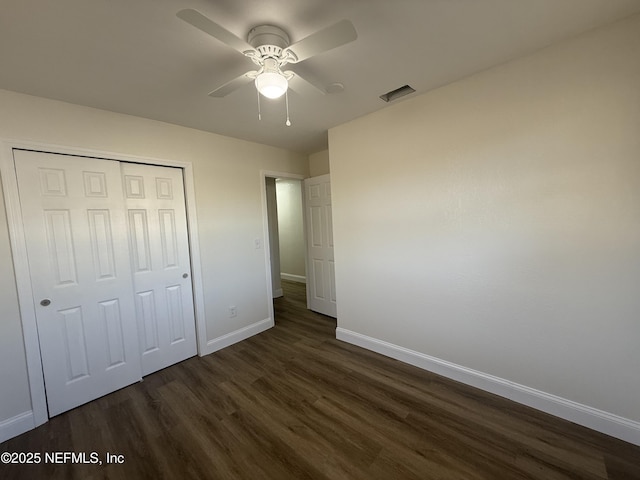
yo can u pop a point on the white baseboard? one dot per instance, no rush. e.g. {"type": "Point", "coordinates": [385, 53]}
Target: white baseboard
{"type": "Point", "coordinates": [278, 293]}
{"type": "Point", "coordinates": [293, 278]}
{"type": "Point", "coordinates": [599, 420]}
{"type": "Point", "coordinates": [238, 335]}
{"type": "Point", "coordinates": [17, 425]}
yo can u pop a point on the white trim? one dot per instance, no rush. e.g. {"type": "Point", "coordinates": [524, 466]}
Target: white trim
{"type": "Point", "coordinates": [599, 420]}
{"type": "Point", "coordinates": [18, 248]}
{"type": "Point", "coordinates": [23, 285]}
{"type": "Point", "coordinates": [293, 278]}
{"type": "Point", "coordinates": [14, 426]}
{"type": "Point", "coordinates": [278, 293]}
{"type": "Point", "coordinates": [239, 335]}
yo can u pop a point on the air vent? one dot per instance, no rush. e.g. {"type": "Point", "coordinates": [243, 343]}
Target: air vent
{"type": "Point", "coordinates": [397, 93]}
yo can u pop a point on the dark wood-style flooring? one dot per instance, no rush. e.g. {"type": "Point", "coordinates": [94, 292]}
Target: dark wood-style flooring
{"type": "Point", "coordinates": [295, 403]}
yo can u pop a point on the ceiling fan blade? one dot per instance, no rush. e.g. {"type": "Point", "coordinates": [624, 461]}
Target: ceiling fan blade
{"type": "Point", "coordinates": [303, 86]}
{"type": "Point", "coordinates": [233, 85]}
{"type": "Point", "coordinates": [322, 41]}
{"type": "Point", "coordinates": [198, 20]}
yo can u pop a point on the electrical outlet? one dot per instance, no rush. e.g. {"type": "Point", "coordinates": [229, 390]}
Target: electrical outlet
{"type": "Point", "coordinates": [258, 243]}
{"type": "Point", "coordinates": [233, 311]}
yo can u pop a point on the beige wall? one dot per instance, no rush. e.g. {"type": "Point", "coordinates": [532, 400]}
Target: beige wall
{"type": "Point", "coordinates": [319, 163]}
{"type": "Point", "coordinates": [228, 200]}
{"type": "Point", "coordinates": [290, 227]}
{"type": "Point", "coordinates": [495, 223]}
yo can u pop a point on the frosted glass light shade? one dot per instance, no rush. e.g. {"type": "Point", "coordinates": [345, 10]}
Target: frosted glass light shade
{"type": "Point", "coordinates": [271, 85]}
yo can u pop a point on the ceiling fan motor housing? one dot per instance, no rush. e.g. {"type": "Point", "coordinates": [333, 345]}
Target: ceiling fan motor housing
{"type": "Point", "coordinates": [268, 40]}
{"type": "Point", "coordinates": [268, 35]}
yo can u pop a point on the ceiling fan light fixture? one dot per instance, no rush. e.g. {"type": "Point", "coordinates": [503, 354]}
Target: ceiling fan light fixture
{"type": "Point", "coordinates": [271, 84]}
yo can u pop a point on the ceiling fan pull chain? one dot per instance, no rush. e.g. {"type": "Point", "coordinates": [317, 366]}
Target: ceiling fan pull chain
{"type": "Point", "coordinates": [286, 100]}
{"type": "Point", "coordinates": [259, 114]}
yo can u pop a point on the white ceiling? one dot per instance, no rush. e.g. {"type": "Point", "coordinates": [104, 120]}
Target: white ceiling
{"type": "Point", "coordinates": [136, 57]}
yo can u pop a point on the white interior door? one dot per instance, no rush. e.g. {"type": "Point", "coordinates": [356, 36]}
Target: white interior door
{"type": "Point", "coordinates": [75, 228]}
{"type": "Point", "coordinates": [321, 275]}
{"type": "Point", "coordinates": [161, 264]}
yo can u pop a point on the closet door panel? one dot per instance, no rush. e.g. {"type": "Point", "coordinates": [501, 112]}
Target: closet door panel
{"type": "Point", "coordinates": [76, 233]}
{"type": "Point", "coordinates": [161, 264]}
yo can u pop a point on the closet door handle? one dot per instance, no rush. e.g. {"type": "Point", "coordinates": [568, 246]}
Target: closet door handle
{"type": "Point", "coordinates": [45, 302]}
{"type": "Point", "coordinates": [185, 275]}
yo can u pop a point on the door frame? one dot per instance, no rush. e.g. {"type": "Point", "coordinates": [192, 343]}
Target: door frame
{"type": "Point", "coordinates": [264, 174]}
{"type": "Point", "coordinates": [21, 267]}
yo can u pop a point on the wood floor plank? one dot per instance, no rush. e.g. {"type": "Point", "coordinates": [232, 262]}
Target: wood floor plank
{"type": "Point", "coordinates": [295, 403]}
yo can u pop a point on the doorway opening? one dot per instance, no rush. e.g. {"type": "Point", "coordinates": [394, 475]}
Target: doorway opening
{"type": "Point", "coordinates": [287, 247]}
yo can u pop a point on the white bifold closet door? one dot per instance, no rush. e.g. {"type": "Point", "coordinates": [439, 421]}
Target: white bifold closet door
{"type": "Point", "coordinates": [91, 327]}
{"type": "Point", "coordinates": [74, 217]}
{"type": "Point", "coordinates": [160, 263]}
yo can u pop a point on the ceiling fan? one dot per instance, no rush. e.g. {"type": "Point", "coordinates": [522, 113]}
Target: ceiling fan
{"type": "Point", "coordinates": [270, 49]}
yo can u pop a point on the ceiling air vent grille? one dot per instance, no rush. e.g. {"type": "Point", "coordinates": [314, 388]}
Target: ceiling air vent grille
{"type": "Point", "coordinates": [397, 93]}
